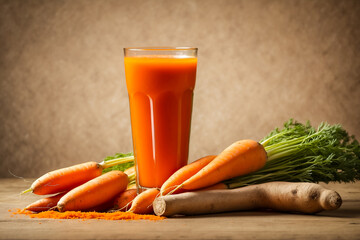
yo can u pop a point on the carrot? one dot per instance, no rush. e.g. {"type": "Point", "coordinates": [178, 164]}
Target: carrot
{"type": "Point", "coordinates": [65, 179]}
{"type": "Point", "coordinates": [183, 174]}
{"type": "Point", "coordinates": [240, 158]}
{"type": "Point", "coordinates": [103, 207]}
{"type": "Point", "coordinates": [142, 203]}
{"type": "Point", "coordinates": [124, 200]}
{"type": "Point", "coordinates": [44, 204]}
{"type": "Point", "coordinates": [279, 196]}
{"type": "Point", "coordinates": [94, 192]}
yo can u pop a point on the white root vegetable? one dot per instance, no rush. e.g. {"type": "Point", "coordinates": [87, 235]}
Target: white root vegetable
{"type": "Point", "coordinates": [280, 196]}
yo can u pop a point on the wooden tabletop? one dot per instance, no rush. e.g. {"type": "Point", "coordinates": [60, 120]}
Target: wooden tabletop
{"type": "Point", "coordinates": [343, 223]}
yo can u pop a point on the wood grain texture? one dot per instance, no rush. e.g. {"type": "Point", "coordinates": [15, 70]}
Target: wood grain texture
{"type": "Point", "coordinates": [63, 98]}
{"type": "Point", "coordinates": [339, 224]}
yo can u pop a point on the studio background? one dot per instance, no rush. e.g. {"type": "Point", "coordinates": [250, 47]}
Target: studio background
{"type": "Point", "coordinates": [63, 98]}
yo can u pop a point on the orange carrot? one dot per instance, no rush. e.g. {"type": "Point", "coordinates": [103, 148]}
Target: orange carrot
{"type": "Point", "coordinates": [44, 204]}
{"type": "Point", "coordinates": [103, 207]}
{"type": "Point", "coordinates": [124, 200]}
{"type": "Point", "coordinates": [240, 158]}
{"type": "Point", "coordinates": [94, 192]}
{"type": "Point", "coordinates": [65, 179]}
{"type": "Point", "coordinates": [142, 203]}
{"type": "Point", "coordinates": [184, 173]}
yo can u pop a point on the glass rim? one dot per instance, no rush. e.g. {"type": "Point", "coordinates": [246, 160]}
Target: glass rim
{"type": "Point", "coordinates": [145, 49]}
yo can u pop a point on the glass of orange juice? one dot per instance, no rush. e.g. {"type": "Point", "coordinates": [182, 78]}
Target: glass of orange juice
{"type": "Point", "coordinates": [160, 83]}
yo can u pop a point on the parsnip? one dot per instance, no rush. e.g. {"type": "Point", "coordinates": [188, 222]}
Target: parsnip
{"type": "Point", "coordinates": [280, 196]}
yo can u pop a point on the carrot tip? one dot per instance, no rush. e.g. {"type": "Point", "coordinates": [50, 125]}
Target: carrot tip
{"type": "Point", "coordinates": [26, 191]}
{"type": "Point", "coordinates": [126, 206]}
{"type": "Point", "coordinates": [60, 207]}
{"type": "Point", "coordinates": [53, 208]}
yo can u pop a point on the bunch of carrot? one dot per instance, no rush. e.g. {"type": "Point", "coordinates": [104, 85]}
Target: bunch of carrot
{"type": "Point", "coordinates": [240, 158]}
{"type": "Point", "coordinates": [298, 153]}
{"type": "Point", "coordinates": [84, 187]}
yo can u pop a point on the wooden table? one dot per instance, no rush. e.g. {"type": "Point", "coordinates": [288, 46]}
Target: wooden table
{"type": "Point", "coordinates": [343, 223]}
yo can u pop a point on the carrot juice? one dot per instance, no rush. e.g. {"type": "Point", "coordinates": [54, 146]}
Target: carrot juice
{"type": "Point", "coordinates": [160, 84]}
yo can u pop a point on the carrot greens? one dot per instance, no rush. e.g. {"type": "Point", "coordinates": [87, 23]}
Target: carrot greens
{"type": "Point", "coordinates": [127, 160]}
{"type": "Point", "coordinates": [302, 153]}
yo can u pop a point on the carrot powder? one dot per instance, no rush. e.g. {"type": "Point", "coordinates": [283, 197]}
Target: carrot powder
{"type": "Point", "coordinates": [89, 215]}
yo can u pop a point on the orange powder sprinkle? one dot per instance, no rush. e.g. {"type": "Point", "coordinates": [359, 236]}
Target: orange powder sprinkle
{"type": "Point", "coordinates": [89, 215]}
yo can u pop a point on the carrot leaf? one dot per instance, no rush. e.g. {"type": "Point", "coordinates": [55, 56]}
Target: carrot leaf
{"type": "Point", "coordinates": [122, 166]}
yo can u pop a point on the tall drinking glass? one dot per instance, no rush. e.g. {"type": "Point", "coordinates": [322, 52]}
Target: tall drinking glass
{"type": "Point", "coordinates": [160, 84]}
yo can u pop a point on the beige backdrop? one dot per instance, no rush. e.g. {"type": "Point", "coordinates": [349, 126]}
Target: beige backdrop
{"type": "Point", "coordinates": [63, 95]}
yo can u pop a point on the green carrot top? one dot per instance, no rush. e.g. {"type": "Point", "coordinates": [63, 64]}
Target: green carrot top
{"type": "Point", "coordinates": [301, 153]}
